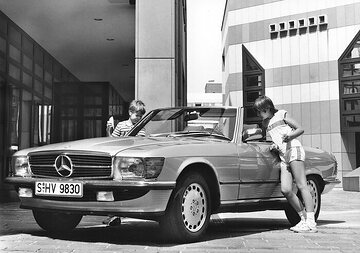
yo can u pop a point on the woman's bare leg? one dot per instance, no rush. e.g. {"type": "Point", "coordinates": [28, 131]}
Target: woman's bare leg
{"type": "Point", "coordinates": [298, 172]}
{"type": "Point", "coordinates": [286, 188]}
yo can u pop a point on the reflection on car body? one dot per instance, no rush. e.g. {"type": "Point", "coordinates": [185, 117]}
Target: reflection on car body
{"type": "Point", "coordinates": [193, 162]}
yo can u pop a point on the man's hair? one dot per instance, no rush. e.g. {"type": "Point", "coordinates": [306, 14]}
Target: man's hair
{"type": "Point", "coordinates": [263, 102]}
{"type": "Point", "coordinates": [137, 106]}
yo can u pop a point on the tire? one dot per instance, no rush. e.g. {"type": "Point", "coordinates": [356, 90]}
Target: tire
{"type": "Point", "coordinates": [313, 184]}
{"type": "Point", "coordinates": [188, 213]}
{"type": "Point", "coordinates": [56, 222]}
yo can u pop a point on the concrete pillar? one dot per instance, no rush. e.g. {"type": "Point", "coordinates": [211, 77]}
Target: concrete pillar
{"type": "Point", "coordinates": [155, 53]}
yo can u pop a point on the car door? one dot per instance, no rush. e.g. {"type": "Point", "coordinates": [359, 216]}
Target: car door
{"type": "Point", "coordinates": [259, 171]}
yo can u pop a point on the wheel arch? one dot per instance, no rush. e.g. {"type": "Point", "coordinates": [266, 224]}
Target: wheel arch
{"type": "Point", "coordinates": [319, 179]}
{"type": "Point", "coordinates": [317, 175]}
{"type": "Point", "coordinates": [210, 176]}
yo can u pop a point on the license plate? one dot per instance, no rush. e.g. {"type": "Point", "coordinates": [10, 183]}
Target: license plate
{"type": "Point", "coordinates": [60, 189]}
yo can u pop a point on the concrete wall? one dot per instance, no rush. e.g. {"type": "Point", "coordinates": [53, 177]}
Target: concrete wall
{"type": "Point", "coordinates": [301, 68]}
{"type": "Point", "coordinates": [155, 53]}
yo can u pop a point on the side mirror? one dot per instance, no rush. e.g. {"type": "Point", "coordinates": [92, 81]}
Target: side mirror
{"type": "Point", "coordinates": [252, 134]}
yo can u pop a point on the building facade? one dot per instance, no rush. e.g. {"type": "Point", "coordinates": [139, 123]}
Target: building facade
{"type": "Point", "coordinates": [160, 54]}
{"type": "Point", "coordinates": [28, 74]}
{"type": "Point", "coordinates": [304, 55]}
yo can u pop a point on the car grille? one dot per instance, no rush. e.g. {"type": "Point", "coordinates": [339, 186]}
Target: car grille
{"type": "Point", "coordinates": [84, 165]}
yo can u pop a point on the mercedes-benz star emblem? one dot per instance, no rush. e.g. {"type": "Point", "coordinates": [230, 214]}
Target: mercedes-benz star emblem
{"type": "Point", "coordinates": [64, 166]}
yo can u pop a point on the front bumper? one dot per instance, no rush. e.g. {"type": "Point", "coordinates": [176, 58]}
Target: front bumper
{"type": "Point", "coordinates": [330, 184]}
{"type": "Point", "coordinates": [152, 203]}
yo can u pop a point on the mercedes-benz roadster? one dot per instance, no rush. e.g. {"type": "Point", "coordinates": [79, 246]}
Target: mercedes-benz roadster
{"type": "Point", "coordinates": [193, 162]}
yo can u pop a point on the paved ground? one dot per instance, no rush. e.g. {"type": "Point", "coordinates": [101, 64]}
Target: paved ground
{"type": "Point", "coordinates": [339, 231]}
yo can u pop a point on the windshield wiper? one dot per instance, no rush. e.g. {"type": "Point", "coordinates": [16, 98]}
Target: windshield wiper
{"type": "Point", "coordinates": [198, 133]}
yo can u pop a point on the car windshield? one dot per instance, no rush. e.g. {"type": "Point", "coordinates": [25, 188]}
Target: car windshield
{"type": "Point", "coordinates": [192, 122]}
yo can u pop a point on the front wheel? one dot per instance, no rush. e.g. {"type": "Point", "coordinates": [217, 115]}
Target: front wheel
{"type": "Point", "coordinates": [313, 184]}
{"type": "Point", "coordinates": [56, 222]}
{"type": "Point", "coordinates": [188, 212]}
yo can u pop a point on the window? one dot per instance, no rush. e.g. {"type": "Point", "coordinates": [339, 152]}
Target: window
{"type": "Point", "coordinates": [39, 63]}
{"type": "Point", "coordinates": [2, 45]}
{"type": "Point", "coordinates": [14, 54]}
{"type": "Point", "coordinates": [27, 46]}
{"type": "Point", "coordinates": [27, 63]}
{"type": "Point", "coordinates": [349, 70]}
{"type": "Point", "coordinates": [14, 36]}
{"type": "Point", "coordinates": [3, 24]}
{"type": "Point", "coordinates": [14, 72]}
{"type": "Point", "coordinates": [253, 85]}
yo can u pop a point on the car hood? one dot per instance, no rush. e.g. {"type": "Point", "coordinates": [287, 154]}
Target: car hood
{"type": "Point", "coordinates": [113, 145]}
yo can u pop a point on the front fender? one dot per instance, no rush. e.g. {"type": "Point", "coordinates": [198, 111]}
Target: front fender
{"type": "Point", "coordinates": [193, 160]}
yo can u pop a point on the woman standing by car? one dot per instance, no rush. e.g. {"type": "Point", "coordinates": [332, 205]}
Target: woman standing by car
{"type": "Point", "coordinates": [284, 131]}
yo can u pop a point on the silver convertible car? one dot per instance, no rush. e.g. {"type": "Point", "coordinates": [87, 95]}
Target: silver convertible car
{"type": "Point", "coordinates": [193, 162]}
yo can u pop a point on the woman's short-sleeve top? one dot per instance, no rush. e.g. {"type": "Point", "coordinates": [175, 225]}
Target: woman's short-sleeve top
{"type": "Point", "coordinates": [277, 128]}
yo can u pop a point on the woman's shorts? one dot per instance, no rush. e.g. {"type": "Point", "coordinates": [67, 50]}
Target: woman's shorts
{"type": "Point", "coordinates": [294, 154]}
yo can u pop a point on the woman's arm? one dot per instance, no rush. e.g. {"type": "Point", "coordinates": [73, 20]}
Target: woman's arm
{"type": "Point", "coordinates": [297, 129]}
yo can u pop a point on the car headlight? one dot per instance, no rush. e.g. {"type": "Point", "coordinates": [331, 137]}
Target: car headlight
{"type": "Point", "coordinates": [21, 166]}
{"type": "Point", "coordinates": [137, 168]}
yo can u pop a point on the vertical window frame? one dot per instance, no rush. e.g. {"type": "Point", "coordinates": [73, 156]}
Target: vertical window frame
{"type": "Point", "coordinates": [343, 98]}
{"type": "Point", "coordinates": [246, 88]}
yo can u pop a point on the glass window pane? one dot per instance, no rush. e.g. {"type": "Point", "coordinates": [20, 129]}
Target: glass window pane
{"type": "Point", "coordinates": [14, 72]}
{"type": "Point", "coordinates": [252, 95]}
{"type": "Point", "coordinates": [92, 100]}
{"type": "Point", "coordinates": [38, 86]}
{"type": "Point", "coordinates": [39, 56]}
{"type": "Point", "coordinates": [69, 112]}
{"type": "Point", "coordinates": [48, 77]}
{"type": "Point", "coordinates": [27, 63]}
{"type": "Point", "coordinates": [250, 64]}
{"type": "Point", "coordinates": [69, 99]}
{"type": "Point", "coordinates": [352, 104]}
{"type": "Point", "coordinates": [25, 120]}
{"type": "Point", "coordinates": [355, 51]}
{"type": "Point", "coordinates": [64, 75]}
{"type": "Point", "coordinates": [2, 64]}
{"type": "Point", "coordinates": [36, 120]}
{"type": "Point", "coordinates": [27, 46]}
{"type": "Point", "coordinates": [48, 92]}
{"type": "Point", "coordinates": [39, 71]}
{"type": "Point", "coordinates": [352, 121]}
{"type": "Point", "coordinates": [250, 112]}
{"type": "Point", "coordinates": [351, 87]}
{"type": "Point", "coordinates": [14, 36]}
{"type": "Point", "coordinates": [14, 115]}
{"type": "Point", "coordinates": [27, 79]}
{"type": "Point", "coordinates": [352, 69]}
{"type": "Point", "coordinates": [48, 63]}
{"type": "Point", "coordinates": [14, 53]}
{"type": "Point", "coordinates": [2, 45]}
{"type": "Point", "coordinates": [253, 81]}
{"type": "Point", "coordinates": [57, 71]}
{"type": "Point", "coordinates": [92, 112]}
{"type": "Point", "coordinates": [3, 25]}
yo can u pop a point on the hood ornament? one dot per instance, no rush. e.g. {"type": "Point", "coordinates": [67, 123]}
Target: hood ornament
{"type": "Point", "coordinates": [64, 166]}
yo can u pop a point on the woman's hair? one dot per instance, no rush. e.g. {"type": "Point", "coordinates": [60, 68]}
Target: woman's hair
{"type": "Point", "coordinates": [137, 106]}
{"type": "Point", "coordinates": [262, 103]}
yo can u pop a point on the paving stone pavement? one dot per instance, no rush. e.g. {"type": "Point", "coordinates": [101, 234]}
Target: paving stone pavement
{"type": "Point", "coordinates": [338, 225]}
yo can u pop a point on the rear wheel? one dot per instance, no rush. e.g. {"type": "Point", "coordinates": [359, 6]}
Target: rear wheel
{"type": "Point", "coordinates": [313, 184]}
{"type": "Point", "coordinates": [56, 222]}
{"type": "Point", "coordinates": [188, 213]}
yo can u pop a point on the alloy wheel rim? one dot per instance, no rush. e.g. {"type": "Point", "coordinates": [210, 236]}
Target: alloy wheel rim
{"type": "Point", "coordinates": [194, 207]}
{"type": "Point", "coordinates": [314, 194]}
